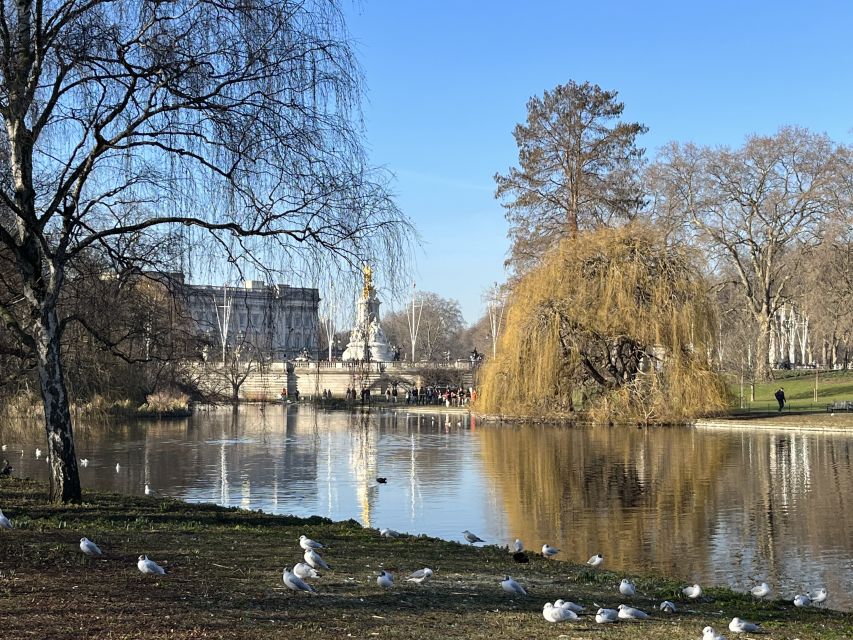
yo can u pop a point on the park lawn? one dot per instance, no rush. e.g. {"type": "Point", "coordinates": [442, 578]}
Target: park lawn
{"type": "Point", "coordinates": [799, 391]}
{"type": "Point", "coordinates": [224, 581]}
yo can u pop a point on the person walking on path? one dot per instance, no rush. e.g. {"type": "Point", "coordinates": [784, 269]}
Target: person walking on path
{"type": "Point", "coordinates": [780, 398]}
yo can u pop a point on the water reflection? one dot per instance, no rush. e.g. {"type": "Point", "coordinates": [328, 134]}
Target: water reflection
{"type": "Point", "coordinates": [709, 506]}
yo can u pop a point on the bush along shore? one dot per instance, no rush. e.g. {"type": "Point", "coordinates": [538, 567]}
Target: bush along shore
{"type": "Point", "coordinates": [224, 580]}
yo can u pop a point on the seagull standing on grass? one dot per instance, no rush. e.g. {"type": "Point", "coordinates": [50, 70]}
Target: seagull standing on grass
{"type": "Point", "coordinates": [315, 560]}
{"type": "Point", "coordinates": [90, 548]}
{"type": "Point", "coordinates": [385, 579]}
{"type": "Point", "coordinates": [596, 561]}
{"type": "Point", "coordinates": [389, 533]}
{"type": "Point", "coordinates": [553, 613]}
{"type": "Point", "coordinates": [604, 616]}
{"type": "Point", "coordinates": [548, 551]}
{"type": "Point", "coordinates": [511, 586]}
{"type": "Point", "coordinates": [518, 545]}
{"type": "Point", "coordinates": [692, 591]}
{"type": "Point", "coordinates": [739, 625]}
{"type": "Point", "coordinates": [626, 588]}
{"type": "Point", "coordinates": [760, 590]}
{"type": "Point", "coordinates": [5, 523]}
{"type": "Point", "coordinates": [667, 607]}
{"type": "Point", "coordinates": [307, 543]}
{"type": "Point", "coordinates": [630, 613]}
{"type": "Point", "coordinates": [471, 537]}
{"type": "Point", "coordinates": [420, 576]}
{"type": "Point", "coordinates": [294, 582]}
{"type": "Point", "coordinates": [304, 571]}
{"type": "Point", "coordinates": [819, 597]}
{"type": "Point", "coordinates": [708, 633]}
{"type": "Point", "coordinates": [149, 566]}
{"type": "Point", "coordinates": [802, 600]}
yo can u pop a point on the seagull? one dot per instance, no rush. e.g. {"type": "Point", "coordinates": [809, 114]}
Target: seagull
{"type": "Point", "coordinates": [667, 607]}
{"type": "Point", "coordinates": [4, 447]}
{"type": "Point", "coordinates": [420, 576]}
{"type": "Point", "coordinates": [149, 566]}
{"type": "Point", "coordinates": [819, 596]}
{"type": "Point", "coordinates": [472, 538]}
{"type": "Point", "coordinates": [708, 633]}
{"type": "Point", "coordinates": [389, 533]}
{"type": "Point", "coordinates": [38, 453]}
{"type": "Point", "coordinates": [630, 613]}
{"type": "Point", "coordinates": [518, 545]}
{"type": "Point", "coordinates": [313, 558]}
{"type": "Point", "coordinates": [307, 543]}
{"type": "Point", "coordinates": [90, 548]}
{"type": "Point", "coordinates": [692, 592]}
{"type": "Point", "coordinates": [385, 579]}
{"type": "Point", "coordinates": [548, 551]}
{"type": "Point", "coordinates": [149, 491]}
{"type": "Point", "coordinates": [511, 586]}
{"type": "Point", "coordinates": [305, 571]}
{"type": "Point", "coordinates": [84, 462]}
{"type": "Point", "coordinates": [739, 625]}
{"type": "Point", "coordinates": [553, 613]}
{"type": "Point", "coordinates": [570, 605]}
{"type": "Point", "coordinates": [760, 590]}
{"type": "Point", "coordinates": [626, 588]}
{"type": "Point", "coordinates": [606, 615]}
{"type": "Point", "coordinates": [5, 523]}
{"type": "Point", "coordinates": [118, 467]}
{"type": "Point", "coordinates": [294, 582]}
{"type": "Point", "coordinates": [596, 560]}
{"type": "Point", "coordinates": [802, 600]}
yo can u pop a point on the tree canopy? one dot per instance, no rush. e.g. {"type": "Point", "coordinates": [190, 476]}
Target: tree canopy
{"type": "Point", "coordinates": [619, 317]}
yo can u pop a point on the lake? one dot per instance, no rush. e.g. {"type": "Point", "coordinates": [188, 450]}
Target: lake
{"type": "Point", "coordinates": [723, 507]}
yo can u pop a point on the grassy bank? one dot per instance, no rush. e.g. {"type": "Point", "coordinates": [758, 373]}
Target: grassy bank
{"type": "Point", "coordinates": [799, 391]}
{"type": "Point", "coordinates": [224, 581]}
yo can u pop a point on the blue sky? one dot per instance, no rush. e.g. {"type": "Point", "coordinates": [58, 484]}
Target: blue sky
{"type": "Point", "coordinates": [446, 82]}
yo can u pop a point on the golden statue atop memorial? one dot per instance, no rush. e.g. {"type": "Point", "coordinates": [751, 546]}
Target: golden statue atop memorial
{"type": "Point", "coordinates": [367, 340]}
{"type": "Point", "coordinates": [368, 281]}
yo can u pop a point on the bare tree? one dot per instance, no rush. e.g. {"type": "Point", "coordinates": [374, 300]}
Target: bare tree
{"type": "Point", "coordinates": [440, 329]}
{"type": "Point", "coordinates": [131, 124]}
{"type": "Point", "coordinates": [752, 206]}
{"type": "Point", "coordinates": [577, 168]}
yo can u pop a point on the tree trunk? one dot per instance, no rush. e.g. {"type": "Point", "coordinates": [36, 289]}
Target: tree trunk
{"type": "Point", "coordinates": [762, 351]}
{"type": "Point", "coordinates": [64, 476]}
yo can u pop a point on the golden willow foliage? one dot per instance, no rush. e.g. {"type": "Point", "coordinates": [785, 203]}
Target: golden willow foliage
{"type": "Point", "coordinates": [616, 317]}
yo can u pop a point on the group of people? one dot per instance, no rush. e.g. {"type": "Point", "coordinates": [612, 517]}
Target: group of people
{"type": "Point", "coordinates": [417, 395]}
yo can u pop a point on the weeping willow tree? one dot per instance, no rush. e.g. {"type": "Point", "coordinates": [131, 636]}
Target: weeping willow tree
{"type": "Point", "coordinates": [617, 317]}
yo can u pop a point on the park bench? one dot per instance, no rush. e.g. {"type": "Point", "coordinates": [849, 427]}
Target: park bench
{"type": "Point", "coordinates": [840, 405]}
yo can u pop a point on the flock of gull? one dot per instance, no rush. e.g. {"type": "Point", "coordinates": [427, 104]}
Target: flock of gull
{"type": "Point", "coordinates": [296, 578]}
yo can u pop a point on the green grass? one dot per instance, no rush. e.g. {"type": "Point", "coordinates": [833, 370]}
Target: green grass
{"type": "Point", "coordinates": [799, 391]}
{"type": "Point", "coordinates": [224, 581]}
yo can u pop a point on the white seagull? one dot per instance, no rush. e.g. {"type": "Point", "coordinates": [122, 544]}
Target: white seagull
{"type": "Point", "coordinates": [692, 591]}
{"type": "Point", "coordinates": [739, 625]}
{"type": "Point", "coordinates": [389, 533]}
{"type": "Point", "coordinates": [518, 545]}
{"type": "Point", "coordinates": [149, 491]}
{"type": "Point", "coordinates": [38, 453]}
{"type": "Point", "coordinates": [708, 633]}
{"type": "Point", "coordinates": [90, 548]}
{"type": "Point", "coordinates": [118, 467]}
{"type": "Point", "coordinates": [307, 543]}
{"type": "Point", "coordinates": [305, 571]}
{"type": "Point", "coordinates": [5, 523]}
{"type": "Point", "coordinates": [630, 613]}
{"type": "Point", "coordinates": [548, 551]}
{"type": "Point", "coordinates": [554, 613]}
{"type": "Point", "coordinates": [667, 607]}
{"type": "Point", "coordinates": [471, 537]}
{"type": "Point", "coordinates": [149, 566]}
{"type": "Point", "coordinates": [420, 576]}
{"type": "Point", "coordinates": [626, 588]}
{"type": "Point", "coordinates": [385, 579]}
{"type": "Point", "coordinates": [596, 561]}
{"type": "Point", "coordinates": [294, 582]}
{"type": "Point", "coordinates": [570, 605]}
{"type": "Point", "coordinates": [760, 590]}
{"type": "Point", "coordinates": [511, 586]}
{"type": "Point", "coordinates": [315, 560]}
{"type": "Point", "coordinates": [603, 616]}
{"type": "Point", "coordinates": [802, 600]}
{"type": "Point", "coordinates": [819, 596]}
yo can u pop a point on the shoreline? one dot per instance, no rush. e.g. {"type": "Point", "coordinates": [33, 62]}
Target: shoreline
{"type": "Point", "coordinates": [224, 581]}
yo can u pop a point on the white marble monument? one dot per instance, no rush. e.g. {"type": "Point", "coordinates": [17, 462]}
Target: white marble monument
{"type": "Point", "coordinates": [367, 341]}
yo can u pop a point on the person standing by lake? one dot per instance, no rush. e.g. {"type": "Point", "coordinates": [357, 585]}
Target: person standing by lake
{"type": "Point", "coordinates": [780, 397]}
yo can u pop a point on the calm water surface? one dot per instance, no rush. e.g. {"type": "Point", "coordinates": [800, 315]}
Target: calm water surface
{"type": "Point", "coordinates": [707, 506]}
